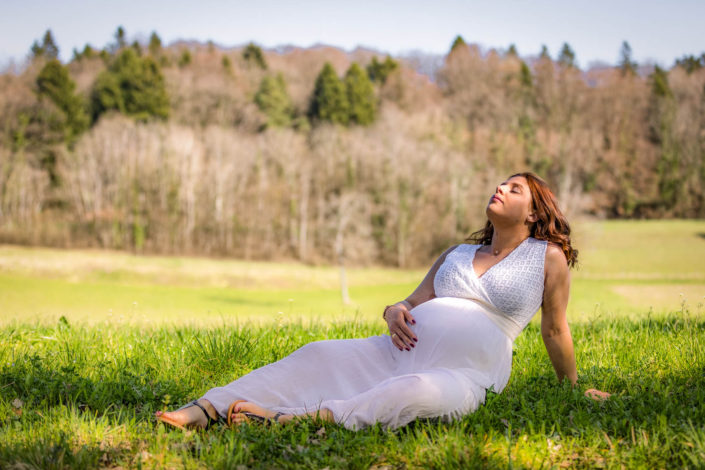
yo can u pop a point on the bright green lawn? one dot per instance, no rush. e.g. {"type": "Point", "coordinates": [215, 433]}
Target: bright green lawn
{"type": "Point", "coordinates": [625, 268]}
{"type": "Point", "coordinates": [145, 333]}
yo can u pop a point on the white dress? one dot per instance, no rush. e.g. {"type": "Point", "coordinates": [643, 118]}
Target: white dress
{"type": "Point", "coordinates": [464, 347]}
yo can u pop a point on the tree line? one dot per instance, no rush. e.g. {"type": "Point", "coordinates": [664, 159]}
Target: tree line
{"type": "Point", "coordinates": [321, 155]}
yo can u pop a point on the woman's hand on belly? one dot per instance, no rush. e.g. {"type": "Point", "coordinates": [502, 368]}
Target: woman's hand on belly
{"type": "Point", "coordinates": [398, 320]}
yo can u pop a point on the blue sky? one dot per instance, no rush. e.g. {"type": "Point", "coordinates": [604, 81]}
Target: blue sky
{"type": "Point", "coordinates": [658, 31]}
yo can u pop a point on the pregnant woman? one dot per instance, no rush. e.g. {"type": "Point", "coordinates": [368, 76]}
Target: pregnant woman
{"type": "Point", "coordinates": [449, 341]}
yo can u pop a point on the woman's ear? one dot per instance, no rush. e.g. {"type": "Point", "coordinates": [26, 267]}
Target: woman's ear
{"type": "Point", "coordinates": [531, 218]}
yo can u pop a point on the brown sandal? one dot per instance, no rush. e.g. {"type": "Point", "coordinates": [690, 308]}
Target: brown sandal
{"type": "Point", "coordinates": [209, 423]}
{"type": "Point", "coordinates": [252, 416]}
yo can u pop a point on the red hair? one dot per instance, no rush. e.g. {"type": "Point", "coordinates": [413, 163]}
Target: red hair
{"type": "Point", "coordinates": [551, 225]}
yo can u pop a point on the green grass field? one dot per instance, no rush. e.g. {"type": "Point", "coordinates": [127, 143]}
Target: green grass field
{"type": "Point", "coordinates": [93, 342]}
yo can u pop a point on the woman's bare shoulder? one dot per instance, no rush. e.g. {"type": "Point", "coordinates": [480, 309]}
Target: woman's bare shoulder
{"type": "Point", "coordinates": [555, 258]}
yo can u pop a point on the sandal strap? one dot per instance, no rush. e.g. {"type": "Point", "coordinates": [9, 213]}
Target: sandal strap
{"type": "Point", "coordinates": [262, 419]}
{"type": "Point", "coordinates": [210, 421]}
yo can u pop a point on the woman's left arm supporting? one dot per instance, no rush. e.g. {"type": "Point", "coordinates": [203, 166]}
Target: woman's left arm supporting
{"type": "Point", "coordinates": [554, 324]}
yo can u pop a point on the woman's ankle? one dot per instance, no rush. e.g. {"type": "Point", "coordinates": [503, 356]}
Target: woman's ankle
{"type": "Point", "coordinates": [212, 412]}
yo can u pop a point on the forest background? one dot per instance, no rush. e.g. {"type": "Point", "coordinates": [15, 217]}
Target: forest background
{"type": "Point", "coordinates": [321, 155]}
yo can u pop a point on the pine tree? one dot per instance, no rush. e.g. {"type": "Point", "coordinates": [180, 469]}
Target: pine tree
{"type": "Point", "coordinates": [525, 77]}
{"type": "Point", "coordinates": [626, 64]}
{"type": "Point", "coordinates": [253, 55]}
{"type": "Point", "coordinates": [54, 83]}
{"type": "Point", "coordinates": [458, 42]}
{"type": "Point", "coordinates": [379, 71]}
{"type": "Point", "coordinates": [155, 44]}
{"type": "Point", "coordinates": [132, 85]}
{"type": "Point", "coordinates": [274, 101]}
{"type": "Point", "coordinates": [691, 63]}
{"type": "Point", "coordinates": [185, 58]}
{"type": "Point", "coordinates": [659, 83]}
{"type": "Point", "coordinates": [662, 117]}
{"type": "Point", "coordinates": [329, 101]}
{"type": "Point", "coordinates": [88, 52]}
{"type": "Point", "coordinates": [512, 51]}
{"type": "Point", "coordinates": [567, 56]}
{"type": "Point", "coordinates": [361, 96]}
{"type": "Point", "coordinates": [120, 40]}
{"type": "Point", "coordinates": [544, 52]}
{"type": "Point", "coordinates": [48, 48]}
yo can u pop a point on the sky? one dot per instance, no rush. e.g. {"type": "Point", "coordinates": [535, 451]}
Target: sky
{"type": "Point", "coordinates": [657, 31]}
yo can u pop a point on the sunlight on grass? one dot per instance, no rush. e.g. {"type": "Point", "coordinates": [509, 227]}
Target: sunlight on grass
{"type": "Point", "coordinates": [626, 267]}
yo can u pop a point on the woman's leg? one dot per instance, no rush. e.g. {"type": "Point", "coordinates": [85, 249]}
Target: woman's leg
{"type": "Point", "coordinates": [190, 416]}
{"type": "Point", "coordinates": [315, 372]}
{"type": "Point", "coordinates": [438, 393]}
{"type": "Point", "coordinates": [239, 417]}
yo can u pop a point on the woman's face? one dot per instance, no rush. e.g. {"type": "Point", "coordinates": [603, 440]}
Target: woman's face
{"type": "Point", "coordinates": [511, 202]}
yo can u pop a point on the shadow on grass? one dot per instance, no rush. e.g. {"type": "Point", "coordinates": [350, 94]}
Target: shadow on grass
{"type": "Point", "coordinates": [650, 410]}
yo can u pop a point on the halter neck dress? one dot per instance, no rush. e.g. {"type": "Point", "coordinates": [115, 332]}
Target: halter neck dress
{"type": "Point", "coordinates": [465, 336]}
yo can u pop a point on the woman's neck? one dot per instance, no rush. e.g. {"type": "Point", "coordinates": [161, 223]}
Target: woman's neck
{"type": "Point", "coordinates": [505, 241]}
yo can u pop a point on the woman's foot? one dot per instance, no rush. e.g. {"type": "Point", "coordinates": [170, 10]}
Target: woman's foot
{"type": "Point", "coordinates": [239, 413]}
{"type": "Point", "coordinates": [188, 416]}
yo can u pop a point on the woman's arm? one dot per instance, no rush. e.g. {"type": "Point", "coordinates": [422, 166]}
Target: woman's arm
{"type": "Point", "coordinates": [399, 314]}
{"type": "Point", "coordinates": [554, 324]}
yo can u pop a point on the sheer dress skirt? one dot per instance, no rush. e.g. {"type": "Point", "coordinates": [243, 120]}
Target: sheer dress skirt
{"type": "Point", "coordinates": [460, 353]}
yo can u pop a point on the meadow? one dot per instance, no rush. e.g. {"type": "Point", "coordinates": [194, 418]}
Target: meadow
{"type": "Point", "coordinates": [92, 343]}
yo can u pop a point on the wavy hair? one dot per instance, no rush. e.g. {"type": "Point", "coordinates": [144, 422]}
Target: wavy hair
{"type": "Point", "coordinates": [551, 225]}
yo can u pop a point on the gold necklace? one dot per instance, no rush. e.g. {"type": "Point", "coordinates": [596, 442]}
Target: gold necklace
{"type": "Point", "coordinates": [496, 252]}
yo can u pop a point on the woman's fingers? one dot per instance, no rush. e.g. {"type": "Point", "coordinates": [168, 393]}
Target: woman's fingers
{"type": "Point", "coordinates": [402, 336]}
{"type": "Point", "coordinates": [401, 340]}
{"type": "Point", "coordinates": [408, 317]}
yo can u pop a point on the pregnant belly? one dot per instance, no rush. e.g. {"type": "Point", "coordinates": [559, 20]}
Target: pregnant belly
{"type": "Point", "coordinates": [456, 333]}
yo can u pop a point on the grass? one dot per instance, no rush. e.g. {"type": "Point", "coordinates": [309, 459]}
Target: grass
{"type": "Point", "coordinates": [83, 367]}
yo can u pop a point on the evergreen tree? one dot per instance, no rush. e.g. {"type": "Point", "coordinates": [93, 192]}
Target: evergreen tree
{"type": "Point", "coordinates": [525, 77]}
{"type": "Point", "coordinates": [132, 85]}
{"type": "Point", "coordinates": [48, 48]}
{"type": "Point", "coordinates": [54, 83]}
{"type": "Point", "coordinates": [51, 50]}
{"type": "Point", "coordinates": [458, 42]}
{"type": "Point", "coordinates": [155, 44]}
{"type": "Point", "coordinates": [185, 58]}
{"type": "Point", "coordinates": [690, 63]}
{"type": "Point", "coordinates": [253, 55]}
{"type": "Point", "coordinates": [567, 56]}
{"type": "Point", "coordinates": [88, 52]}
{"type": "Point", "coordinates": [662, 117]}
{"type": "Point", "coordinates": [544, 52]}
{"type": "Point", "coordinates": [379, 71]}
{"type": "Point", "coordinates": [361, 96]}
{"type": "Point", "coordinates": [120, 39]}
{"type": "Point", "coordinates": [626, 64]}
{"type": "Point", "coordinates": [137, 47]}
{"type": "Point", "coordinates": [512, 51]}
{"type": "Point", "coordinates": [274, 101]}
{"type": "Point", "coordinates": [659, 83]}
{"type": "Point", "coordinates": [227, 64]}
{"type": "Point", "coordinates": [329, 101]}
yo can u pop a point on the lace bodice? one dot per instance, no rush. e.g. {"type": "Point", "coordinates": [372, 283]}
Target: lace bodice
{"type": "Point", "coordinates": [511, 291]}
